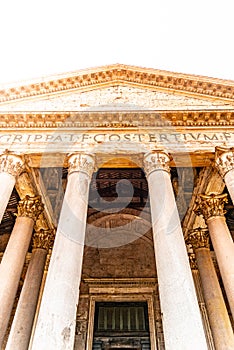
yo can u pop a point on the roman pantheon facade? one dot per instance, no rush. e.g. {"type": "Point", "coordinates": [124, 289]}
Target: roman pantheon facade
{"type": "Point", "coordinates": [116, 208]}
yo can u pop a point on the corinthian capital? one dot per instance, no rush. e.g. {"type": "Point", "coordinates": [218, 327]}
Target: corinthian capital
{"type": "Point", "coordinates": [156, 160]}
{"type": "Point", "coordinates": [211, 205]}
{"type": "Point", "coordinates": [81, 162]}
{"type": "Point", "coordinates": [11, 164]}
{"type": "Point", "coordinates": [198, 238]}
{"type": "Point", "coordinates": [224, 160]}
{"type": "Point", "coordinates": [43, 239]}
{"type": "Point", "coordinates": [30, 207]}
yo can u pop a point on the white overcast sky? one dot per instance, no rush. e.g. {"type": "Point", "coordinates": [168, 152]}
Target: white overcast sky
{"type": "Point", "coordinates": [40, 38]}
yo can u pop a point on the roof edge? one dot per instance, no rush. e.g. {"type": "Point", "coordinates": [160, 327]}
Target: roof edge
{"type": "Point", "coordinates": [91, 77]}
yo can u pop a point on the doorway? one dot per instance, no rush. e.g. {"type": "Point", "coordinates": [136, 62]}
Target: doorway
{"type": "Point", "coordinates": [121, 326]}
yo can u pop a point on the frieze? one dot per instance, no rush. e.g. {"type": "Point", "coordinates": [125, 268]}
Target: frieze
{"type": "Point", "coordinates": [111, 141]}
{"type": "Point", "coordinates": [68, 138]}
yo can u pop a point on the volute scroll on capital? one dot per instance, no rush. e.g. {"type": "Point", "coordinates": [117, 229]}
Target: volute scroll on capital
{"type": "Point", "coordinates": [11, 163]}
{"type": "Point", "coordinates": [81, 162]}
{"type": "Point", "coordinates": [30, 207]}
{"type": "Point", "coordinates": [156, 160]}
{"type": "Point", "coordinates": [199, 238]}
{"type": "Point", "coordinates": [224, 160]}
{"type": "Point", "coordinates": [211, 205]}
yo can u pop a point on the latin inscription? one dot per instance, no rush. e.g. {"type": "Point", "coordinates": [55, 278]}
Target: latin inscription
{"type": "Point", "coordinates": [154, 137]}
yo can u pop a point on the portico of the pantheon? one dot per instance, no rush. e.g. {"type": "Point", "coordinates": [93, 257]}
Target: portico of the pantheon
{"type": "Point", "coordinates": [116, 208]}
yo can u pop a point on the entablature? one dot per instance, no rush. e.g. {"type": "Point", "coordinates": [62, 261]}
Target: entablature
{"type": "Point", "coordinates": [100, 119]}
{"type": "Point", "coordinates": [46, 137]}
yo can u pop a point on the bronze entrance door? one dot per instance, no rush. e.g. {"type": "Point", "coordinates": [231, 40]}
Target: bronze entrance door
{"type": "Point", "coordinates": [121, 326]}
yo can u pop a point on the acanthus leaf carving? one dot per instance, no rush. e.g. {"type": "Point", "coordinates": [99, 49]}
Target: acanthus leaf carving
{"type": "Point", "coordinates": [156, 160]}
{"type": "Point", "coordinates": [224, 160]}
{"type": "Point", "coordinates": [81, 162]}
{"type": "Point", "coordinates": [199, 238]}
{"type": "Point", "coordinates": [11, 164]}
{"type": "Point", "coordinates": [211, 205]}
{"type": "Point", "coordinates": [30, 207]}
{"type": "Point", "coordinates": [43, 239]}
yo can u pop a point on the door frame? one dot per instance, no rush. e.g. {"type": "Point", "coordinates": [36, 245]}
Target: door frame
{"type": "Point", "coordinates": [106, 294]}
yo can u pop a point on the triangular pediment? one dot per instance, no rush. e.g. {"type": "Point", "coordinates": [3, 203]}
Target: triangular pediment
{"type": "Point", "coordinates": [119, 87]}
{"type": "Point", "coordinates": [120, 97]}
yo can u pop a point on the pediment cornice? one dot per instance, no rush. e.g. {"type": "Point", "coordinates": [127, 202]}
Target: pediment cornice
{"type": "Point", "coordinates": [117, 119]}
{"type": "Point", "coordinates": [84, 80]}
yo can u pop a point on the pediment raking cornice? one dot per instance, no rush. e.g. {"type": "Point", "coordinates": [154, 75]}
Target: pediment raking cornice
{"type": "Point", "coordinates": [121, 74]}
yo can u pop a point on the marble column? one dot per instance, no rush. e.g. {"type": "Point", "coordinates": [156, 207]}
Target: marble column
{"type": "Point", "coordinates": [224, 161]}
{"type": "Point", "coordinates": [217, 312]}
{"type": "Point", "coordinates": [212, 208]}
{"type": "Point", "coordinates": [181, 316]}
{"type": "Point", "coordinates": [10, 167]}
{"type": "Point", "coordinates": [200, 299]}
{"type": "Point", "coordinates": [55, 328]}
{"type": "Point", "coordinates": [14, 256]}
{"type": "Point", "coordinates": [21, 328]}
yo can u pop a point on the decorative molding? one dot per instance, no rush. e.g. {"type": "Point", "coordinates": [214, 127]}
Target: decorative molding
{"type": "Point", "coordinates": [224, 160]}
{"type": "Point", "coordinates": [41, 223]}
{"type": "Point", "coordinates": [211, 205]}
{"type": "Point", "coordinates": [192, 261]}
{"type": "Point", "coordinates": [116, 74]}
{"type": "Point", "coordinates": [117, 119]}
{"type": "Point", "coordinates": [134, 294]}
{"type": "Point", "coordinates": [156, 160]}
{"type": "Point", "coordinates": [30, 207]}
{"type": "Point", "coordinates": [117, 98]}
{"type": "Point", "coordinates": [11, 164]}
{"type": "Point", "coordinates": [43, 239]}
{"type": "Point", "coordinates": [199, 238]}
{"type": "Point", "coordinates": [148, 281]}
{"type": "Point", "coordinates": [81, 162]}
{"type": "Point", "coordinates": [208, 181]}
{"type": "Point", "coordinates": [48, 257]}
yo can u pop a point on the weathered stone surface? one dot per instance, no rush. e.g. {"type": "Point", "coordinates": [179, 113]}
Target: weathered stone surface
{"type": "Point", "coordinates": [135, 259]}
{"type": "Point", "coordinates": [115, 98]}
{"type": "Point", "coordinates": [116, 112]}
